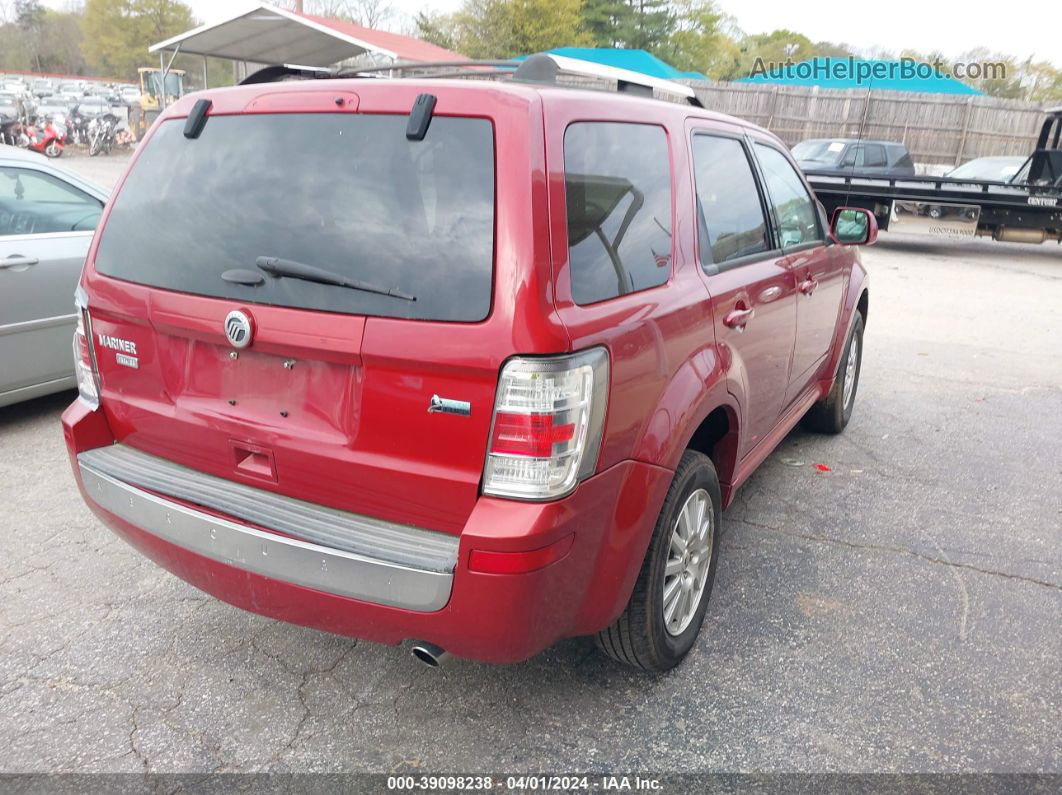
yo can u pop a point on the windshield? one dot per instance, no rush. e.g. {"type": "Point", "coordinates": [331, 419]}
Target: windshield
{"type": "Point", "coordinates": [818, 151]}
{"type": "Point", "coordinates": [362, 201]}
{"type": "Point", "coordinates": [153, 82]}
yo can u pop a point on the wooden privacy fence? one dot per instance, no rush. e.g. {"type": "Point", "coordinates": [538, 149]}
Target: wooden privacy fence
{"type": "Point", "coordinates": [937, 129]}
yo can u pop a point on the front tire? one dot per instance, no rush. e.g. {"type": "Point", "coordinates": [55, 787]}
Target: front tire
{"type": "Point", "coordinates": [53, 150]}
{"type": "Point", "coordinates": [664, 615]}
{"type": "Point", "coordinates": [831, 415]}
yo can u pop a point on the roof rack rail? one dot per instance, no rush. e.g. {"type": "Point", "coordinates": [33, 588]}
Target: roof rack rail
{"type": "Point", "coordinates": [406, 66]}
{"type": "Point", "coordinates": [542, 68]}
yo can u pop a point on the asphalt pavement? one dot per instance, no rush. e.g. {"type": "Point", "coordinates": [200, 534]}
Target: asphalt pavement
{"type": "Point", "coordinates": [887, 600]}
{"type": "Point", "coordinates": [104, 170]}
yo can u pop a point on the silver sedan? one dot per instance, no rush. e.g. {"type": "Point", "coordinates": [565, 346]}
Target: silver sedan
{"type": "Point", "coordinates": [47, 217]}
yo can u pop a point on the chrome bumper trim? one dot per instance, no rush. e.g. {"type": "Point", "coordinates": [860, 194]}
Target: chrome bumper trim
{"type": "Point", "coordinates": [281, 558]}
{"type": "Point", "coordinates": [371, 538]}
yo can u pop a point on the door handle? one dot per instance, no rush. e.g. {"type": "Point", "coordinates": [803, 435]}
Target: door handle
{"type": "Point", "coordinates": [17, 260]}
{"type": "Point", "coordinates": [770, 294]}
{"type": "Point", "coordinates": [738, 318]}
{"type": "Point", "coordinates": [807, 287]}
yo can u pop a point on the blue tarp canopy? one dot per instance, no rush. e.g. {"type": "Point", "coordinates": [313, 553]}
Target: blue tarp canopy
{"type": "Point", "coordinates": [902, 75]}
{"type": "Point", "coordinates": [634, 60]}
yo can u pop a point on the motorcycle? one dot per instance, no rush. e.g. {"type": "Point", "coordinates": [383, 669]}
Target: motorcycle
{"type": "Point", "coordinates": [47, 140]}
{"type": "Point", "coordinates": [10, 130]}
{"type": "Point", "coordinates": [77, 129]}
{"type": "Point", "coordinates": [101, 135]}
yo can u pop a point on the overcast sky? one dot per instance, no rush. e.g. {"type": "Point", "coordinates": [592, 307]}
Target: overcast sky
{"type": "Point", "coordinates": [1017, 27]}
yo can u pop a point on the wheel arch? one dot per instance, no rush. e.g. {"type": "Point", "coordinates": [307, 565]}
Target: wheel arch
{"type": "Point", "coordinates": [716, 436]}
{"type": "Point", "coordinates": [856, 300]}
{"type": "Point", "coordinates": [696, 407]}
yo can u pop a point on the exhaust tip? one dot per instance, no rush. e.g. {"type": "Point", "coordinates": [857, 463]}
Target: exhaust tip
{"type": "Point", "coordinates": [429, 654]}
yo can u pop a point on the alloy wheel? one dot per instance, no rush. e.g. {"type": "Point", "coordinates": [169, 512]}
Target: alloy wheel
{"type": "Point", "coordinates": [850, 368]}
{"type": "Point", "coordinates": [688, 560]}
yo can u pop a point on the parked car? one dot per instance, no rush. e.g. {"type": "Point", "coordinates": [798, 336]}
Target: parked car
{"type": "Point", "coordinates": [130, 95]}
{"type": "Point", "coordinates": [12, 106]}
{"type": "Point", "coordinates": [71, 92]}
{"type": "Point", "coordinates": [988, 169]}
{"type": "Point", "coordinates": [53, 108]}
{"type": "Point", "coordinates": [982, 169]}
{"type": "Point", "coordinates": [482, 379]}
{"type": "Point", "coordinates": [11, 118]}
{"type": "Point", "coordinates": [850, 155]}
{"type": "Point", "coordinates": [47, 215]}
{"type": "Point", "coordinates": [42, 87]}
{"type": "Point", "coordinates": [93, 108]}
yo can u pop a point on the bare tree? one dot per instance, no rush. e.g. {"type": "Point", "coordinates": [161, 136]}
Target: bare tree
{"type": "Point", "coordinates": [370, 13]}
{"type": "Point", "coordinates": [374, 13]}
{"type": "Point", "coordinates": [336, 9]}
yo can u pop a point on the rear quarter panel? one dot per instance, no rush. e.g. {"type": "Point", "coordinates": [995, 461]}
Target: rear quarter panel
{"type": "Point", "coordinates": [661, 340]}
{"type": "Point", "coordinates": [666, 370]}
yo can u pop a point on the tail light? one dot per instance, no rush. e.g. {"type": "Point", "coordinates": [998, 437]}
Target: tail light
{"type": "Point", "coordinates": [549, 415]}
{"type": "Point", "coordinates": [88, 377]}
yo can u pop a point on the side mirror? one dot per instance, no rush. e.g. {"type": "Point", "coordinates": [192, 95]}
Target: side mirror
{"type": "Point", "coordinates": [854, 226]}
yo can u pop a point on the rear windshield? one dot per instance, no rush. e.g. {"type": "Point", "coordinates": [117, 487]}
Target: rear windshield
{"type": "Point", "coordinates": [346, 193]}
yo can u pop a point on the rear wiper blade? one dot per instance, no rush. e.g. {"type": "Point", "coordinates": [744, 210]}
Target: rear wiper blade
{"type": "Point", "coordinates": [310, 273]}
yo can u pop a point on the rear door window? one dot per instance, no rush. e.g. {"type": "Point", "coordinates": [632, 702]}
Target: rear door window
{"type": "Point", "coordinates": [348, 193]}
{"type": "Point", "coordinates": [874, 155]}
{"type": "Point", "coordinates": [618, 193]}
{"type": "Point", "coordinates": [731, 223]}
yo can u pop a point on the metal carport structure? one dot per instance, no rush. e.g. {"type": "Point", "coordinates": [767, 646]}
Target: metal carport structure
{"type": "Point", "coordinates": [266, 35]}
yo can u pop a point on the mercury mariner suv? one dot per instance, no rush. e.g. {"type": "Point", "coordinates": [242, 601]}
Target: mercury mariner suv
{"type": "Point", "coordinates": [472, 365]}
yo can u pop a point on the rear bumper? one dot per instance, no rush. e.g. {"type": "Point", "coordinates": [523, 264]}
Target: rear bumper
{"type": "Point", "coordinates": [242, 546]}
{"type": "Point", "coordinates": [489, 617]}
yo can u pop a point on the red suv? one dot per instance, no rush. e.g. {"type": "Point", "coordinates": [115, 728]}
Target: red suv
{"type": "Point", "coordinates": [471, 364]}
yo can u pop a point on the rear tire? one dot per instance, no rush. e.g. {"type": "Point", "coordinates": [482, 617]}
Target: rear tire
{"type": "Point", "coordinates": [643, 636]}
{"type": "Point", "coordinates": [831, 415]}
